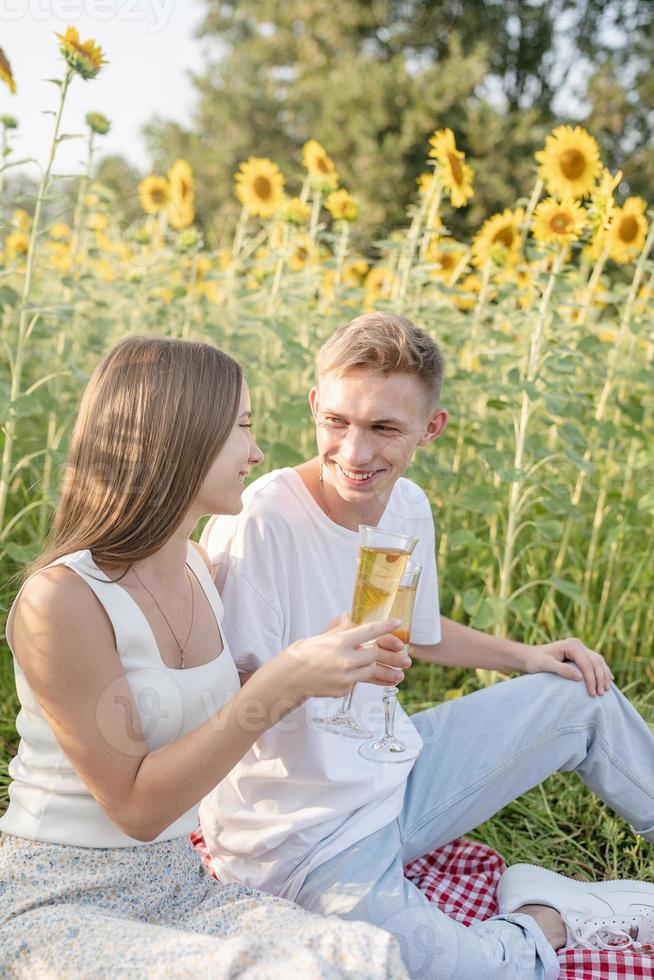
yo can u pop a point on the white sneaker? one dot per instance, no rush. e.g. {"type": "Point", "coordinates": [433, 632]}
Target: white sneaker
{"type": "Point", "coordinates": [597, 914]}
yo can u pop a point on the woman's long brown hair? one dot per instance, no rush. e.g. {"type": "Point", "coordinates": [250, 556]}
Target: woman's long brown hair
{"type": "Point", "coordinates": [154, 415]}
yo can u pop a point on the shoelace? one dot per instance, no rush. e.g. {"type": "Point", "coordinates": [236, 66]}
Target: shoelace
{"type": "Point", "coordinates": [612, 934]}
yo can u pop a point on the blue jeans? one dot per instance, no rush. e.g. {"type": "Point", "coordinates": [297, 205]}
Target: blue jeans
{"type": "Point", "coordinates": [480, 752]}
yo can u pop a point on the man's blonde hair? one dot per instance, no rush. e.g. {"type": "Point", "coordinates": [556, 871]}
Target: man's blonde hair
{"type": "Point", "coordinates": [387, 344]}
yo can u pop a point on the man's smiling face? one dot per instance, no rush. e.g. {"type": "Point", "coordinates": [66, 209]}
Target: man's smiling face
{"type": "Point", "coordinates": [368, 427]}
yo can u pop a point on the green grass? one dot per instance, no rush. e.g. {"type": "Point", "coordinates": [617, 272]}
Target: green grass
{"type": "Point", "coordinates": [559, 824]}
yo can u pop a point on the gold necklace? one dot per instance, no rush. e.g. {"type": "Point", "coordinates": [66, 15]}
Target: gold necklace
{"type": "Point", "coordinates": [181, 648]}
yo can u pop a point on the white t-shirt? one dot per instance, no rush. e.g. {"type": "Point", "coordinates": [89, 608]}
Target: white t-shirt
{"type": "Point", "coordinates": [301, 795]}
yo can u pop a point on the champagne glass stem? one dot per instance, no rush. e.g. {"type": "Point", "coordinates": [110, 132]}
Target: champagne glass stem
{"type": "Point", "coordinates": [390, 701]}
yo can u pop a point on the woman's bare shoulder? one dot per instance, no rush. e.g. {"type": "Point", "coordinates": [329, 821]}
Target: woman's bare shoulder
{"type": "Point", "coordinates": [56, 608]}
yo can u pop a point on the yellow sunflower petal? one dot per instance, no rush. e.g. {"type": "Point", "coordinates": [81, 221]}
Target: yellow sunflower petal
{"type": "Point", "coordinates": [260, 186]}
{"type": "Point", "coordinates": [499, 238]}
{"type": "Point", "coordinates": [558, 222]}
{"type": "Point", "coordinates": [342, 206]}
{"type": "Point", "coordinates": [154, 193]}
{"type": "Point", "coordinates": [320, 167]}
{"type": "Point", "coordinates": [84, 57]}
{"type": "Point", "coordinates": [628, 230]}
{"type": "Point", "coordinates": [454, 173]}
{"type": "Point", "coordinates": [570, 162]}
{"type": "Point", "coordinates": [6, 74]}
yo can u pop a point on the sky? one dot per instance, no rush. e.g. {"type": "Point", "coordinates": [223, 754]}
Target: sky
{"type": "Point", "coordinates": [150, 47]}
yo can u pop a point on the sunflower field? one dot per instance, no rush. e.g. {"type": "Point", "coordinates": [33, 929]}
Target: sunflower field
{"type": "Point", "coordinates": [542, 484]}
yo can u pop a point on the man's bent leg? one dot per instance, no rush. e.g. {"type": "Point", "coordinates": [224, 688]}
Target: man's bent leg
{"type": "Point", "coordinates": [366, 882]}
{"type": "Point", "coordinates": [484, 750]}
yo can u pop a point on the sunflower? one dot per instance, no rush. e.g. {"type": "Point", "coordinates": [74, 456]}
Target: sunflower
{"type": "Point", "coordinates": [303, 252]}
{"type": "Point", "coordinates": [98, 123]}
{"type": "Point", "coordinates": [455, 175]}
{"type": "Point", "coordinates": [260, 186]}
{"type": "Point", "coordinates": [60, 232]}
{"type": "Point", "coordinates": [181, 210]}
{"type": "Point", "coordinates": [320, 167]}
{"type": "Point", "coordinates": [21, 219]}
{"type": "Point", "coordinates": [355, 271]}
{"type": "Point", "coordinates": [296, 212]}
{"type": "Point", "coordinates": [17, 244]}
{"type": "Point", "coordinates": [154, 192]}
{"type": "Point", "coordinates": [628, 230]}
{"type": "Point", "coordinates": [499, 238]}
{"type": "Point", "coordinates": [378, 284]}
{"type": "Point", "coordinates": [557, 223]}
{"type": "Point", "coordinates": [342, 206]}
{"type": "Point", "coordinates": [570, 162]}
{"type": "Point", "coordinates": [84, 57]}
{"type": "Point", "coordinates": [443, 258]}
{"type": "Point", "coordinates": [60, 256]}
{"type": "Point", "coordinates": [97, 221]}
{"type": "Point", "coordinates": [5, 72]}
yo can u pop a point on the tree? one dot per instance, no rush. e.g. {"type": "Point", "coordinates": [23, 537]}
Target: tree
{"type": "Point", "coordinates": [372, 80]}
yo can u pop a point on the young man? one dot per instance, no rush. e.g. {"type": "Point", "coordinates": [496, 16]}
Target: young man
{"type": "Point", "coordinates": [304, 815]}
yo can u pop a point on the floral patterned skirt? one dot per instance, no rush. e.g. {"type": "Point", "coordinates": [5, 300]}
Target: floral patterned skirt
{"type": "Point", "coordinates": [153, 911]}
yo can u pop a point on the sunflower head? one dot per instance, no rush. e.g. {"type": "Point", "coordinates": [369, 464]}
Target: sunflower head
{"type": "Point", "coordinates": [558, 223]}
{"type": "Point", "coordinates": [260, 186]}
{"type": "Point", "coordinates": [499, 239]}
{"type": "Point", "coordinates": [342, 206]}
{"type": "Point", "coordinates": [378, 284]}
{"type": "Point", "coordinates": [61, 232]}
{"type": "Point", "coordinates": [355, 271]}
{"type": "Point", "coordinates": [21, 219]}
{"type": "Point", "coordinates": [181, 210]}
{"type": "Point", "coordinates": [84, 57]}
{"type": "Point", "coordinates": [628, 230]}
{"type": "Point", "coordinates": [454, 173]}
{"type": "Point", "coordinates": [320, 167]}
{"type": "Point", "coordinates": [296, 212]}
{"type": "Point", "coordinates": [98, 123]}
{"type": "Point", "coordinates": [570, 162]}
{"type": "Point", "coordinates": [445, 257]}
{"type": "Point", "coordinates": [17, 244]}
{"type": "Point", "coordinates": [8, 122]}
{"type": "Point", "coordinates": [6, 74]}
{"type": "Point", "coordinates": [154, 192]}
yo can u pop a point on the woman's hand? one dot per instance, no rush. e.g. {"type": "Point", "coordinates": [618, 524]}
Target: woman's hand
{"type": "Point", "coordinates": [329, 665]}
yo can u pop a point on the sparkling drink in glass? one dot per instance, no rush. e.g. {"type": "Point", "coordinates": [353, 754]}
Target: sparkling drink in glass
{"type": "Point", "coordinates": [390, 748]}
{"type": "Point", "coordinates": [383, 556]}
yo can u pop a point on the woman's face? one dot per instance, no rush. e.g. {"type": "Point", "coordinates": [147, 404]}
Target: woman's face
{"type": "Point", "coordinates": [223, 485]}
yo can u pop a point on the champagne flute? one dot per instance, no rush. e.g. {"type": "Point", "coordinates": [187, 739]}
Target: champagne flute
{"type": "Point", "coordinates": [389, 748]}
{"type": "Point", "coordinates": [383, 556]}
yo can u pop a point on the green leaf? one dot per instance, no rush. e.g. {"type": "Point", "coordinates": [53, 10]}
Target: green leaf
{"type": "Point", "coordinates": [8, 296]}
{"type": "Point", "coordinates": [571, 589]}
{"type": "Point", "coordinates": [471, 599]}
{"type": "Point", "coordinates": [490, 612]}
{"type": "Point", "coordinates": [478, 499]}
{"type": "Point", "coordinates": [461, 538]}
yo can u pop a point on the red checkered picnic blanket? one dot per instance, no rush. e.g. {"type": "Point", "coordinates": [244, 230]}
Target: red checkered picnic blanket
{"type": "Point", "coordinates": [461, 879]}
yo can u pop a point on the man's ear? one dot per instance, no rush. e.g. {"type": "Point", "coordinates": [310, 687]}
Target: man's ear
{"type": "Point", "coordinates": [313, 401]}
{"type": "Point", "coordinates": [434, 428]}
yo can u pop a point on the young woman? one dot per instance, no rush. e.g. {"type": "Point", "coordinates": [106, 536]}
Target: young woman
{"type": "Point", "coordinates": [131, 706]}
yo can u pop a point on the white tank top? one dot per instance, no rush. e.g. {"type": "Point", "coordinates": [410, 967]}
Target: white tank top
{"type": "Point", "coordinates": [48, 800]}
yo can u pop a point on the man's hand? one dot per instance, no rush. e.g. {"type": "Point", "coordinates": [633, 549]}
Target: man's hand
{"type": "Point", "coordinates": [571, 659]}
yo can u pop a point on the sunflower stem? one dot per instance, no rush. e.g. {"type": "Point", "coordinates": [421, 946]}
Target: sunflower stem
{"type": "Point", "coordinates": [316, 204]}
{"type": "Point", "coordinates": [521, 437]}
{"type": "Point", "coordinates": [529, 213]}
{"type": "Point", "coordinates": [341, 252]}
{"type": "Point", "coordinates": [434, 208]}
{"type": "Point", "coordinates": [24, 318]}
{"type": "Point", "coordinates": [279, 272]}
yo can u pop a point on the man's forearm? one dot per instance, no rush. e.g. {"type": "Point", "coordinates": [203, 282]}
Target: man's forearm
{"type": "Point", "coordinates": [462, 646]}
